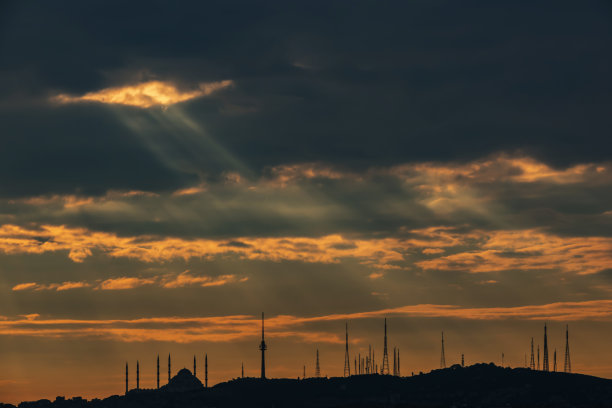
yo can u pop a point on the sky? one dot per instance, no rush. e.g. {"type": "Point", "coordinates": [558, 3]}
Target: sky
{"type": "Point", "coordinates": [168, 171]}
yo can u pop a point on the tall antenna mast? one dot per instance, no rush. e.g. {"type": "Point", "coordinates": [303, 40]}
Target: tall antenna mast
{"type": "Point", "coordinates": [242, 371]}
{"type": "Point", "coordinates": [555, 361]}
{"type": "Point", "coordinates": [385, 367]}
{"type": "Point", "coordinates": [394, 361]}
{"type": "Point", "coordinates": [194, 365]}
{"type": "Point", "coordinates": [126, 377]}
{"type": "Point", "coordinates": [538, 357]}
{"type": "Point", "coordinates": [158, 371]}
{"type": "Point", "coordinates": [399, 372]}
{"type": "Point", "coordinates": [137, 375]}
{"type": "Point", "coordinates": [545, 366]}
{"type": "Point", "coordinates": [347, 363]}
{"type": "Point", "coordinates": [318, 368]}
{"type": "Point", "coordinates": [206, 370]}
{"type": "Point", "coordinates": [263, 348]}
{"type": "Point", "coordinates": [567, 367]}
{"type": "Point", "coordinates": [442, 356]}
{"type": "Point", "coordinates": [532, 360]}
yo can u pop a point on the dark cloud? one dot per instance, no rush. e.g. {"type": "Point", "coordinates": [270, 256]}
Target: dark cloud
{"type": "Point", "coordinates": [359, 85]}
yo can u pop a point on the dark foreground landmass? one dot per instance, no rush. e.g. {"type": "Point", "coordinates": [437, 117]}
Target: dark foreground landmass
{"type": "Point", "coordinates": [479, 385]}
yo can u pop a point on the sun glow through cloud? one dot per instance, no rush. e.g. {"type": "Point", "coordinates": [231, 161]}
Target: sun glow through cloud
{"type": "Point", "coordinates": [146, 94]}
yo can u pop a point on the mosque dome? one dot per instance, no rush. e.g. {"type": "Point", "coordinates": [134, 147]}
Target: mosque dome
{"type": "Point", "coordinates": [184, 380]}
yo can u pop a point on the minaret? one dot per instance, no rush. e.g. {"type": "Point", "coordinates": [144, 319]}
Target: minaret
{"type": "Point", "coordinates": [532, 360]}
{"type": "Point", "coordinates": [545, 362]}
{"type": "Point", "coordinates": [385, 367]}
{"type": "Point", "coordinates": [263, 348]}
{"type": "Point", "coordinates": [126, 377]}
{"type": "Point", "coordinates": [158, 371]}
{"type": "Point", "coordinates": [347, 364]}
{"type": "Point", "coordinates": [194, 366]}
{"type": "Point", "coordinates": [318, 368]}
{"type": "Point", "coordinates": [442, 356]}
{"type": "Point", "coordinates": [205, 370]}
{"type": "Point", "coordinates": [169, 367]}
{"type": "Point", "coordinates": [567, 366]}
{"type": "Point", "coordinates": [137, 375]}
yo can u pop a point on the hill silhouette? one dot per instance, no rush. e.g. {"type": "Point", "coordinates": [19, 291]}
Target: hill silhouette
{"type": "Point", "coordinates": [480, 385]}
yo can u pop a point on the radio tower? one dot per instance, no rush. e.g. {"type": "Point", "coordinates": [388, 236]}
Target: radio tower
{"type": "Point", "coordinates": [462, 360]}
{"type": "Point", "coordinates": [399, 372]}
{"type": "Point", "coordinates": [567, 367]}
{"type": "Point", "coordinates": [263, 348]}
{"type": "Point", "coordinates": [242, 371]}
{"type": "Point", "coordinates": [126, 377]}
{"type": "Point", "coordinates": [137, 375]}
{"type": "Point", "coordinates": [169, 366]}
{"type": "Point", "coordinates": [385, 366]}
{"type": "Point", "coordinates": [317, 368]}
{"type": "Point", "coordinates": [394, 361]}
{"type": "Point", "coordinates": [347, 364]}
{"type": "Point", "coordinates": [545, 362]}
{"type": "Point", "coordinates": [194, 365]}
{"type": "Point", "coordinates": [555, 361]}
{"type": "Point", "coordinates": [442, 357]}
{"type": "Point", "coordinates": [538, 357]}
{"type": "Point", "coordinates": [158, 371]}
{"type": "Point", "coordinates": [532, 361]}
{"type": "Point", "coordinates": [205, 370]}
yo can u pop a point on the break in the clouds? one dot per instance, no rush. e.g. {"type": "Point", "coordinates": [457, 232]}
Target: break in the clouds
{"type": "Point", "coordinates": [145, 95]}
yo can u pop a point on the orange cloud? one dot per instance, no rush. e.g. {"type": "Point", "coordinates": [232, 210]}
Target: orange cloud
{"type": "Point", "coordinates": [486, 251]}
{"type": "Point", "coordinates": [145, 95]}
{"type": "Point", "coordinates": [124, 283]}
{"type": "Point", "coordinates": [25, 286]}
{"type": "Point", "coordinates": [187, 279]}
{"type": "Point", "coordinates": [528, 249]}
{"type": "Point", "coordinates": [237, 327]}
{"type": "Point", "coordinates": [168, 281]}
{"type": "Point", "coordinates": [52, 286]}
